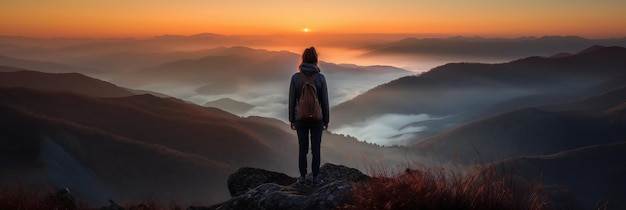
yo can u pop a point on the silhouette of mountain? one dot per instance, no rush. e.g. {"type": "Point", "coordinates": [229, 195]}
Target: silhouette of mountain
{"type": "Point", "coordinates": [36, 65]}
{"type": "Point", "coordinates": [230, 68]}
{"type": "Point", "coordinates": [489, 47]}
{"type": "Point", "coordinates": [257, 77]}
{"type": "Point", "coordinates": [72, 82]}
{"type": "Point", "coordinates": [225, 69]}
{"type": "Point", "coordinates": [460, 88]}
{"type": "Point", "coordinates": [519, 133]}
{"type": "Point", "coordinates": [441, 125]}
{"type": "Point", "coordinates": [230, 105]}
{"type": "Point", "coordinates": [111, 56]}
{"type": "Point", "coordinates": [534, 131]}
{"type": "Point", "coordinates": [594, 175]}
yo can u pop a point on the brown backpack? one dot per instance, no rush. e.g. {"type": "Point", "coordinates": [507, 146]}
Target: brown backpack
{"type": "Point", "coordinates": [308, 107]}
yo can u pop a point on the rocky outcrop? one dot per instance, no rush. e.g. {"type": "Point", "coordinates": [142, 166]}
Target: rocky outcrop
{"type": "Point", "coordinates": [246, 178]}
{"type": "Point", "coordinates": [62, 199]}
{"type": "Point", "coordinates": [260, 189]}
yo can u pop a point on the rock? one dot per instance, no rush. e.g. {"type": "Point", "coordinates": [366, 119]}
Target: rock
{"type": "Point", "coordinates": [246, 178]}
{"type": "Point", "coordinates": [62, 199]}
{"type": "Point", "coordinates": [330, 196]}
{"type": "Point", "coordinates": [260, 189]}
{"type": "Point", "coordinates": [201, 208]}
{"type": "Point", "coordinates": [112, 206]}
{"type": "Point", "coordinates": [330, 173]}
{"type": "Point", "coordinates": [266, 196]}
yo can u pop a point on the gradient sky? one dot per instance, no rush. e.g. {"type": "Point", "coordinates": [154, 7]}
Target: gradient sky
{"type": "Point", "coordinates": [142, 18]}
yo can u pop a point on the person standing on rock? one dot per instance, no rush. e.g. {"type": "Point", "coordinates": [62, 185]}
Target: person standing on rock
{"type": "Point", "coordinates": [309, 112]}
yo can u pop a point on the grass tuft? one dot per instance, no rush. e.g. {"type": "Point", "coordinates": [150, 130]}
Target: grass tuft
{"type": "Point", "coordinates": [20, 196]}
{"type": "Point", "coordinates": [481, 188]}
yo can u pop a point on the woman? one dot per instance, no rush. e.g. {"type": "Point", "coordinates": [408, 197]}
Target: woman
{"type": "Point", "coordinates": [308, 71]}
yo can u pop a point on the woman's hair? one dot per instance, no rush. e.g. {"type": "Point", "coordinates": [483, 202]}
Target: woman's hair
{"type": "Point", "coordinates": [309, 55]}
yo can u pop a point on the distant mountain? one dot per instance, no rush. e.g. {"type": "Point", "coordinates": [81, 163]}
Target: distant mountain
{"type": "Point", "coordinates": [72, 82]}
{"type": "Point", "coordinates": [36, 65]}
{"type": "Point", "coordinates": [227, 68]}
{"type": "Point", "coordinates": [490, 47]}
{"type": "Point", "coordinates": [108, 57]}
{"type": "Point", "coordinates": [230, 105]}
{"type": "Point", "coordinates": [460, 88]}
{"type": "Point", "coordinates": [258, 77]}
{"type": "Point", "coordinates": [594, 175]}
{"type": "Point", "coordinates": [20, 45]}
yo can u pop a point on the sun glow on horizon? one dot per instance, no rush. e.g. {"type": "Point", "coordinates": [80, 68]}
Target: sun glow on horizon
{"type": "Point", "coordinates": [98, 18]}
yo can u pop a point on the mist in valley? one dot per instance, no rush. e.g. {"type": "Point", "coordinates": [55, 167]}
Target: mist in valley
{"type": "Point", "coordinates": [207, 67]}
{"type": "Point", "coordinates": [256, 70]}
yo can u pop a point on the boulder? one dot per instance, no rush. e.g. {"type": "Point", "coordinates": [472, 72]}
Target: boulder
{"type": "Point", "coordinates": [330, 173]}
{"type": "Point", "coordinates": [62, 199]}
{"type": "Point", "coordinates": [247, 178]}
{"type": "Point", "coordinates": [260, 189]}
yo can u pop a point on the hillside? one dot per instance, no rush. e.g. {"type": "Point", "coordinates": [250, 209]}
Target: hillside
{"type": "Point", "coordinates": [230, 105]}
{"type": "Point", "coordinates": [72, 82]}
{"type": "Point", "coordinates": [594, 175]}
{"type": "Point", "coordinates": [162, 123]}
{"type": "Point", "coordinates": [97, 165]}
{"type": "Point", "coordinates": [100, 146]}
{"type": "Point", "coordinates": [461, 88]}
{"type": "Point", "coordinates": [534, 131]}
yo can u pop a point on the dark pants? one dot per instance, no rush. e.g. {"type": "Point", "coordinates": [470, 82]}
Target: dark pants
{"type": "Point", "coordinates": [315, 130]}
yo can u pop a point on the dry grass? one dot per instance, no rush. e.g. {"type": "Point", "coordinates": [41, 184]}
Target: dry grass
{"type": "Point", "coordinates": [19, 196]}
{"type": "Point", "coordinates": [482, 188]}
{"type": "Point", "coordinates": [153, 204]}
{"type": "Point", "coordinates": [438, 188]}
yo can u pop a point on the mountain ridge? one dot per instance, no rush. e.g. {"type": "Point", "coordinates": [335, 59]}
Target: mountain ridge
{"type": "Point", "coordinates": [75, 82]}
{"type": "Point", "coordinates": [593, 174]}
{"type": "Point", "coordinates": [495, 47]}
{"type": "Point", "coordinates": [458, 88]}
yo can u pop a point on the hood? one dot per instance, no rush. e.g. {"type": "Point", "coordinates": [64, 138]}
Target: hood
{"type": "Point", "coordinates": [308, 69]}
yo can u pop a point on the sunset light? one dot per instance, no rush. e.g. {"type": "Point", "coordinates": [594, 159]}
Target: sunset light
{"type": "Point", "coordinates": [145, 18]}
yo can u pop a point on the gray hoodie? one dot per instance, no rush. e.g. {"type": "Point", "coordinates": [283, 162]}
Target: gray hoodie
{"type": "Point", "coordinates": [295, 89]}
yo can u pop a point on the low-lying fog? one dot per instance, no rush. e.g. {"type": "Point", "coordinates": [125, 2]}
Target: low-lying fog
{"type": "Point", "coordinates": [204, 68]}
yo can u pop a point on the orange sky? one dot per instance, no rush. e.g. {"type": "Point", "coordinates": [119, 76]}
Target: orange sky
{"type": "Point", "coordinates": [143, 18]}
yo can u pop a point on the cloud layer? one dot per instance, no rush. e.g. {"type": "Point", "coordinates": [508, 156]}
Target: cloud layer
{"type": "Point", "coordinates": [387, 129]}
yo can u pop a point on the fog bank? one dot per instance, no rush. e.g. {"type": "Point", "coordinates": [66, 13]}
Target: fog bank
{"type": "Point", "coordinates": [386, 129]}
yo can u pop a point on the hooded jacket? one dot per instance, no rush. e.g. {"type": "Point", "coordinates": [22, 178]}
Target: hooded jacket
{"type": "Point", "coordinates": [295, 89]}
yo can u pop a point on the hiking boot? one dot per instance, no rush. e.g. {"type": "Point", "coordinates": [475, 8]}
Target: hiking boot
{"type": "Point", "coordinates": [316, 181]}
{"type": "Point", "coordinates": [301, 181]}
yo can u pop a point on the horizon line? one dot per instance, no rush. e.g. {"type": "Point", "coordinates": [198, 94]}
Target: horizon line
{"type": "Point", "coordinates": [408, 35]}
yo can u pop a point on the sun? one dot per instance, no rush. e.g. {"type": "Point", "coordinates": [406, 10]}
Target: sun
{"type": "Point", "coordinates": [305, 30]}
